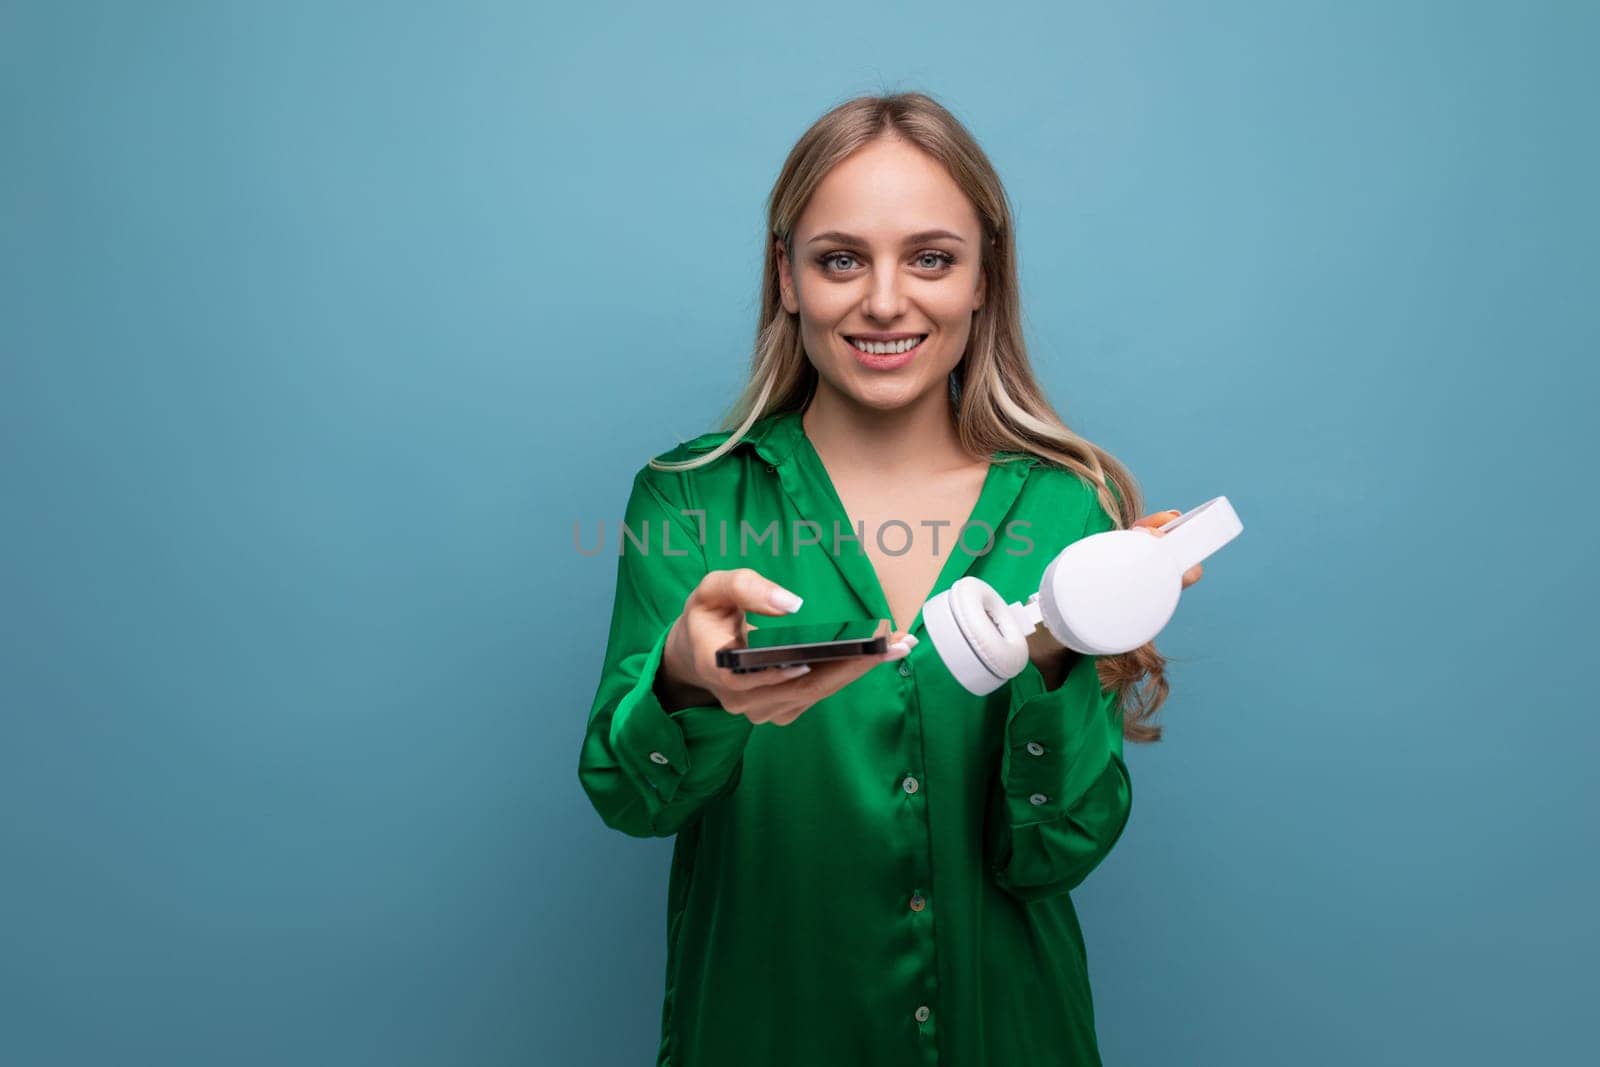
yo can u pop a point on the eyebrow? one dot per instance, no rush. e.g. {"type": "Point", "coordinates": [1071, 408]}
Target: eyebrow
{"type": "Point", "coordinates": [839, 237]}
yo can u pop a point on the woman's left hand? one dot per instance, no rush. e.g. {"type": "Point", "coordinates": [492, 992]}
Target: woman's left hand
{"type": "Point", "coordinates": [1161, 518]}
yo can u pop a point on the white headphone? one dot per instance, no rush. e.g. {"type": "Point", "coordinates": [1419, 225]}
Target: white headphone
{"type": "Point", "coordinates": [1103, 595]}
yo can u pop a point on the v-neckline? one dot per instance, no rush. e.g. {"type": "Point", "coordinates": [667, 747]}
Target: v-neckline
{"type": "Point", "coordinates": [1002, 482]}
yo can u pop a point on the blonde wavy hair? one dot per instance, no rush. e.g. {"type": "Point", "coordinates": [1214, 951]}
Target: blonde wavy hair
{"type": "Point", "coordinates": [997, 401]}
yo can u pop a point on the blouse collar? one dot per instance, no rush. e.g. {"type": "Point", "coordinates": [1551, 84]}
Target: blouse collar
{"type": "Point", "coordinates": [780, 439]}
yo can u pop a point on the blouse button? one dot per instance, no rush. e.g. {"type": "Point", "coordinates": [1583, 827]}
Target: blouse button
{"type": "Point", "coordinates": [1037, 799]}
{"type": "Point", "coordinates": [909, 785]}
{"type": "Point", "coordinates": [922, 1014]}
{"type": "Point", "coordinates": [656, 757]}
{"type": "Point", "coordinates": [905, 668]}
{"type": "Point", "coordinates": [917, 903]}
{"type": "Point", "coordinates": [1035, 748]}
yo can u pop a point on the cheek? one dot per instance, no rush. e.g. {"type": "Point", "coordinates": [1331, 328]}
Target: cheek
{"type": "Point", "coordinates": [954, 314]}
{"type": "Point", "coordinates": [954, 306]}
{"type": "Point", "coordinates": [826, 306]}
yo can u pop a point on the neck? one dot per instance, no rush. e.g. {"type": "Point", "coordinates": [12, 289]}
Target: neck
{"type": "Point", "coordinates": [918, 438]}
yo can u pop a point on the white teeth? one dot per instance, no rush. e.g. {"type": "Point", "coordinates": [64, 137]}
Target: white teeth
{"type": "Point", "coordinates": [889, 348]}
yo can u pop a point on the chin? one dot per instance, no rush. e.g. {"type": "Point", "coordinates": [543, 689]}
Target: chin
{"type": "Point", "coordinates": [885, 395]}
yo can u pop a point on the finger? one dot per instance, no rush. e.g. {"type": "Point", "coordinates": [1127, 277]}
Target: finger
{"type": "Point", "coordinates": [1158, 518]}
{"type": "Point", "coordinates": [788, 715]}
{"type": "Point", "coordinates": [900, 645]}
{"type": "Point", "coordinates": [766, 676]}
{"type": "Point", "coordinates": [780, 703]}
{"type": "Point", "coordinates": [832, 675]}
{"type": "Point", "coordinates": [745, 588]}
{"type": "Point", "coordinates": [1192, 575]}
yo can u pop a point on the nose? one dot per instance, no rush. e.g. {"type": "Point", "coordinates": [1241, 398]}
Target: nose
{"type": "Point", "coordinates": [883, 292]}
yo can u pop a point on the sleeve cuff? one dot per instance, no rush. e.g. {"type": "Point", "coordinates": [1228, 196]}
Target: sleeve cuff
{"type": "Point", "coordinates": [665, 753]}
{"type": "Point", "coordinates": [1053, 742]}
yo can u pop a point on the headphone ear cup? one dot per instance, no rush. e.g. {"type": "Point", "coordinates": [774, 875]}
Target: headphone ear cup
{"type": "Point", "coordinates": [984, 619]}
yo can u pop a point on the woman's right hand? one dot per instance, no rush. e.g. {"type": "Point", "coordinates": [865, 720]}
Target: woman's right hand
{"type": "Point", "coordinates": [713, 618]}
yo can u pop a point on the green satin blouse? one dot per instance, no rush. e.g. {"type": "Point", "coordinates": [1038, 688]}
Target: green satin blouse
{"type": "Point", "coordinates": [886, 881]}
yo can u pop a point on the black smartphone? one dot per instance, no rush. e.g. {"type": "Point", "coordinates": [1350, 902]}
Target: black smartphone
{"type": "Point", "coordinates": [785, 646]}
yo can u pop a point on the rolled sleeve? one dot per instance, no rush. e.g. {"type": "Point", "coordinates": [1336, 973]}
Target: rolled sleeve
{"type": "Point", "coordinates": [1062, 795]}
{"type": "Point", "coordinates": [688, 753]}
{"type": "Point", "coordinates": [646, 770]}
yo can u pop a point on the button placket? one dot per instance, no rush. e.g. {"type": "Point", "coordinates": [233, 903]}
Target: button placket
{"type": "Point", "coordinates": [919, 872]}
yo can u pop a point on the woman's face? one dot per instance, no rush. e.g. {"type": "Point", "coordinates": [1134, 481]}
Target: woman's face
{"type": "Point", "coordinates": [888, 244]}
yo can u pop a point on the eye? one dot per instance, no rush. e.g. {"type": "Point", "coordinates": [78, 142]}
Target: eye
{"type": "Point", "coordinates": [940, 260]}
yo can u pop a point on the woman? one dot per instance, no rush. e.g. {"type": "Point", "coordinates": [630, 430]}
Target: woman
{"type": "Point", "coordinates": [872, 865]}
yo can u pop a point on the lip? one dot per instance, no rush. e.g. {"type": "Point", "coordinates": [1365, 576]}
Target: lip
{"type": "Point", "coordinates": [886, 362]}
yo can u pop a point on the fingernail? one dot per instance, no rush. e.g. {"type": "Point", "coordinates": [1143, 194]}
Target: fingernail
{"type": "Point", "coordinates": [909, 640]}
{"type": "Point", "coordinates": [898, 650]}
{"type": "Point", "coordinates": [796, 671]}
{"type": "Point", "coordinates": [784, 600]}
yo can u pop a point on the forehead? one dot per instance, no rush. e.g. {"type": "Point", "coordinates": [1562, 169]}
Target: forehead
{"type": "Point", "coordinates": [885, 189]}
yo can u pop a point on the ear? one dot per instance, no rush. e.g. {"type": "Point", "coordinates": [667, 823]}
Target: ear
{"type": "Point", "coordinates": [785, 278]}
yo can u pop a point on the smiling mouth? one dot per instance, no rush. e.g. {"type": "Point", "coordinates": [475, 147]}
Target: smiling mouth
{"type": "Point", "coordinates": [886, 348]}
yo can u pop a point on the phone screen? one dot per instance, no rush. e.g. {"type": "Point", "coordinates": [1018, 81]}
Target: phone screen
{"type": "Point", "coordinates": [812, 633]}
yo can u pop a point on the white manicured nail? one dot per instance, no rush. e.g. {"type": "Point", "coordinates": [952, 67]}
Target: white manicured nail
{"type": "Point", "coordinates": [784, 600]}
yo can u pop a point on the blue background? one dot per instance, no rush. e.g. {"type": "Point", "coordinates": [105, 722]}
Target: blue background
{"type": "Point", "coordinates": [323, 324]}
